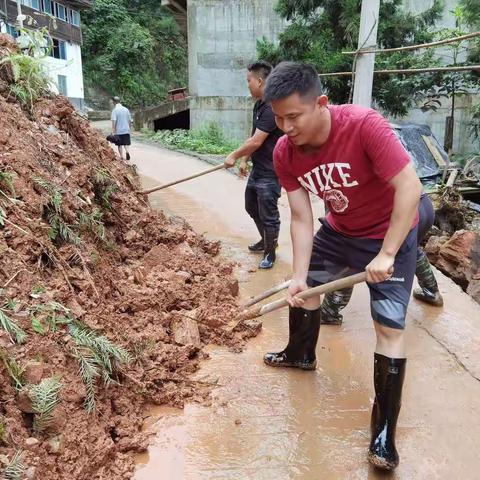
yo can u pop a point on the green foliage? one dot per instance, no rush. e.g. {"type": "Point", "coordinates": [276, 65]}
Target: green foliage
{"type": "Point", "coordinates": [6, 179]}
{"type": "Point", "coordinates": [17, 335]}
{"type": "Point", "coordinates": [16, 469]}
{"type": "Point", "coordinates": [97, 357]}
{"type": "Point", "coordinates": [47, 317]}
{"type": "Point", "coordinates": [208, 139]}
{"type": "Point", "coordinates": [14, 369]}
{"type": "Point", "coordinates": [44, 397]}
{"type": "Point", "coordinates": [3, 430]}
{"type": "Point", "coordinates": [133, 49]}
{"type": "Point", "coordinates": [103, 187]}
{"type": "Point", "coordinates": [59, 229]}
{"type": "Point", "coordinates": [93, 222]}
{"type": "Point", "coordinates": [319, 30]}
{"type": "Point", "coordinates": [475, 123]}
{"type": "Point", "coordinates": [30, 76]}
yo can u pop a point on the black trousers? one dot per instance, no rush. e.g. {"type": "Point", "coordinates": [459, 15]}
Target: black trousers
{"type": "Point", "coordinates": [261, 203]}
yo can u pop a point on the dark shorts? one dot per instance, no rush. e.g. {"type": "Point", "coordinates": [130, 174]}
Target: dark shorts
{"type": "Point", "coordinates": [336, 256]}
{"type": "Point", "coordinates": [124, 139]}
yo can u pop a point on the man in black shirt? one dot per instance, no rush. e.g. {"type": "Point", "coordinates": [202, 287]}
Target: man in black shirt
{"type": "Point", "coordinates": [263, 189]}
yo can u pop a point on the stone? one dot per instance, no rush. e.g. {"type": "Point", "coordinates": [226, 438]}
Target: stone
{"type": "Point", "coordinates": [31, 473]}
{"type": "Point", "coordinates": [33, 372]}
{"type": "Point", "coordinates": [432, 248]}
{"type": "Point", "coordinates": [186, 332]}
{"type": "Point", "coordinates": [31, 442]}
{"type": "Point", "coordinates": [75, 308]}
{"type": "Point", "coordinates": [182, 275]}
{"type": "Point", "coordinates": [59, 419]}
{"type": "Point", "coordinates": [139, 276]}
{"type": "Point", "coordinates": [56, 445]}
{"type": "Point", "coordinates": [473, 289]}
{"type": "Point", "coordinates": [23, 401]}
{"type": "Point", "coordinates": [130, 236]}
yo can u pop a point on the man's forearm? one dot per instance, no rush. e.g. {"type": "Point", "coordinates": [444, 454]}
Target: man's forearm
{"type": "Point", "coordinates": [246, 149]}
{"type": "Point", "coordinates": [302, 242]}
{"type": "Point", "coordinates": [405, 207]}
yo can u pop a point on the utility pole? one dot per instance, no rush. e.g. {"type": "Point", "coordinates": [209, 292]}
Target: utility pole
{"type": "Point", "coordinates": [19, 14]}
{"type": "Point", "coordinates": [367, 38]}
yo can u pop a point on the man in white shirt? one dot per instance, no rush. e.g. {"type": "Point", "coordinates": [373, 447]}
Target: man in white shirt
{"type": "Point", "coordinates": [121, 127]}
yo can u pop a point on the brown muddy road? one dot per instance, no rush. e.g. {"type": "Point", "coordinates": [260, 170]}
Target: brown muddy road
{"type": "Point", "coordinates": [267, 423]}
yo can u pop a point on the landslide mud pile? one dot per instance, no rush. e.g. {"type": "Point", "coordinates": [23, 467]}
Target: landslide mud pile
{"type": "Point", "coordinates": [105, 304]}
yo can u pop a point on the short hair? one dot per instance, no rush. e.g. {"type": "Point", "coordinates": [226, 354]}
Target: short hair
{"type": "Point", "coordinates": [288, 78]}
{"type": "Point", "coordinates": [261, 68]}
{"type": "Point", "coordinates": [116, 99]}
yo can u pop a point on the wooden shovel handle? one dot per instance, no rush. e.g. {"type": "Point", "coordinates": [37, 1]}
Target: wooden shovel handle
{"type": "Point", "coordinates": [311, 292]}
{"type": "Point", "coordinates": [161, 187]}
{"type": "Point", "coordinates": [267, 293]}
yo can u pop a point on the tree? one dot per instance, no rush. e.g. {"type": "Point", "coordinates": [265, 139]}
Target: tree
{"type": "Point", "coordinates": [320, 30]}
{"type": "Point", "coordinates": [133, 49]}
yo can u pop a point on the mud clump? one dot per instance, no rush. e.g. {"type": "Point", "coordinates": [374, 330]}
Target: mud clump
{"type": "Point", "coordinates": [454, 244]}
{"type": "Point", "coordinates": [92, 278]}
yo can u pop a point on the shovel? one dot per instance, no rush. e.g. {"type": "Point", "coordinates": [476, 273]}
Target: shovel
{"type": "Point", "coordinates": [311, 292]}
{"type": "Point", "coordinates": [181, 180]}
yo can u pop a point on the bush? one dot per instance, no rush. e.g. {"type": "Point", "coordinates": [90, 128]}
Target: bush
{"type": "Point", "coordinates": [209, 139]}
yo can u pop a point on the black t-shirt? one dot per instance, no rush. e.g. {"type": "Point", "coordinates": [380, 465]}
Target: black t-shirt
{"type": "Point", "coordinates": [264, 120]}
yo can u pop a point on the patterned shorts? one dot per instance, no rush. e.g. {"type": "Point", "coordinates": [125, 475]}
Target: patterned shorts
{"type": "Point", "coordinates": [336, 256]}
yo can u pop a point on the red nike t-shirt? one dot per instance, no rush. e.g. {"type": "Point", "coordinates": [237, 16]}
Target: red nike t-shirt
{"type": "Point", "coordinates": [350, 171]}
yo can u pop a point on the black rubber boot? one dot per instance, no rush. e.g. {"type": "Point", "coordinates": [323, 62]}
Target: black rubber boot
{"type": "Point", "coordinates": [304, 326]}
{"type": "Point", "coordinates": [333, 303]}
{"type": "Point", "coordinates": [260, 245]}
{"type": "Point", "coordinates": [428, 291]}
{"type": "Point", "coordinates": [270, 256]}
{"type": "Point", "coordinates": [389, 374]}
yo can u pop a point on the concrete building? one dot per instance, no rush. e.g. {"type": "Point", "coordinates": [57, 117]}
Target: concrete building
{"type": "Point", "coordinates": [222, 36]}
{"type": "Point", "coordinates": [62, 18]}
{"type": "Point", "coordinates": [222, 39]}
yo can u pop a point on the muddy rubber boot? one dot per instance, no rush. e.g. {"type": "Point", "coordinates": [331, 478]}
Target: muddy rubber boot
{"type": "Point", "coordinates": [333, 303]}
{"type": "Point", "coordinates": [388, 380]}
{"type": "Point", "coordinates": [260, 245]}
{"type": "Point", "coordinates": [270, 256]}
{"type": "Point", "coordinates": [428, 291]}
{"type": "Point", "coordinates": [304, 326]}
{"type": "Point", "coordinates": [257, 247]}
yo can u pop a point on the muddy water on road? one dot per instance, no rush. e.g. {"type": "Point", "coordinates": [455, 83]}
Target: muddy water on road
{"type": "Point", "coordinates": [267, 423]}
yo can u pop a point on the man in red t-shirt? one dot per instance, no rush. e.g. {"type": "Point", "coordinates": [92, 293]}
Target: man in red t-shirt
{"type": "Point", "coordinates": [350, 157]}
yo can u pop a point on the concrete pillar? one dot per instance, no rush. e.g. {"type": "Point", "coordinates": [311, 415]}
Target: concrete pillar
{"type": "Point", "coordinates": [362, 91]}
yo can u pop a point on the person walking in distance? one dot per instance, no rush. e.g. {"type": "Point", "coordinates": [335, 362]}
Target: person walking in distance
{"type": "Point", "coordinates": [263, 190]}
{"type": "Point", "coordinates": [121, 127]}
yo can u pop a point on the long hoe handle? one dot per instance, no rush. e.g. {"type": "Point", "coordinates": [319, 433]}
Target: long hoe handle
{"type": "Point", "coordinates": [267, 293]}
{"type": "Point", "coordinates": [181, 180]}
{"type": "Point", "coordinates": [311, 292]}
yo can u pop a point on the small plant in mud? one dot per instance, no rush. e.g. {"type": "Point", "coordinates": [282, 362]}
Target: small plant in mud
{"type": "Point", "coordinates": [6, 180]}
{"type": "Point", "coordinates": [14, 369]}
{"type": "Point", "coordinates": [97, 357]}
{"type": "Point", "coordinates": [44, 397]}
{"type": "Point", "coordinates": [16, 469]}
{"type": "Point", "coordinates": [52, 213]}
{"type": "Point", "coordinates": [17, 335]}
{"type": "Point", "coordinates": [47, 317]}
{"type": "Point", "coordinates": [93, 222]}
{"type": "Point", "coordinates": [3, 430]}
{"type": "Point", "coordinates": [103, 187]}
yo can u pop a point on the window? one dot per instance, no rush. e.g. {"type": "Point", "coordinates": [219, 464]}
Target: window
{"type": "Point", "coordinates": [59, 49]}
{"type": "Point", "coordinates": [75, 18]}
{"type": "Point", "coordinates": [62, 85]}
{"type": "Point", "coordinates": [48, 7]}
{"type": "Point", "coordinates": [61, 12]}
{"type": "Point", "coordinates": [12, 31]}
{"type": "Point", "coordinates": [35, 4]}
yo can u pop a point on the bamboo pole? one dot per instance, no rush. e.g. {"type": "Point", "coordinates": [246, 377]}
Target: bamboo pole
{"type": "Point", "coordinates": [416, 47]}
{"type": "Point", "coordinates": [411, 71]}
{"type": "Point", "coordinates": [161, 187]}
